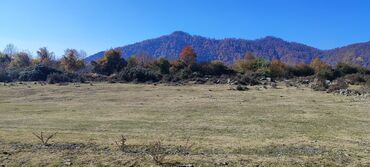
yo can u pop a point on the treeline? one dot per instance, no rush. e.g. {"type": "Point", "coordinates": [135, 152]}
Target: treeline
{"type": "Point", "coordinates": [20, 66]}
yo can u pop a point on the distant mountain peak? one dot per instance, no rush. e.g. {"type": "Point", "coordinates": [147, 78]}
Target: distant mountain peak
{"type": "Point", "coordinates": [180, 33]}
{"type": "Point", "coordinates": [272, 38]}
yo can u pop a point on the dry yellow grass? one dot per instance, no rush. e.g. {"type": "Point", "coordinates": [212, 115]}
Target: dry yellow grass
{"type": "Point", "coordinates": [273, 127]}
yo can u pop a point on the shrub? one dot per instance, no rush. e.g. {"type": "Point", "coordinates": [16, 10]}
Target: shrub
{"type": "Point", "coordinates": [162, 65]}
{"type": "Point", "coordinates": [157, 152]}
{"type": "Point", "coordinates": [255, 64]}
{"type": "Point", "coordinates": [177, 66]}
{"type": "Point", "coordinates": [302, 70]}
{"type": "Point", "coordinates": [37, 73]}
{"type": "Point", "coordinates": [185, 73]}
{"type": "Point", "coordinates": [4, 77]}
{"type": "Point", "coordinates": [250, 78]}
{"type": "Point", "coordinates": [278, 69]}
{"type": "Point", "coordinates": [139, 74]}
{"type": "Point", "coordinates": [345, 68]}
{"type": "Point", "coordinates": [355, 79]}
{"type": "Point", "coordinates": [58, 78]}
{"type": "Point", "coordinates": [4, 61]}
{"type": "Point", "coordinates": [121, 143]}
{"type": "Point", "coordinates": [13, 74]}
{"type": "Point", "coordinates": [132, 62]}
{"type": "Point", "coordinates": [363, 70]}
{"type": "Point", "coordinates": [322, 70]}
{"type": "Point", "coordinates": [326, 74]}
{"type": "Point", "coordinates": [214, 68]}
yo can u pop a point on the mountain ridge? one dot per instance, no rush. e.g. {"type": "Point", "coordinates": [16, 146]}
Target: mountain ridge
{"type": "Point", "coordinates": [231, 49]}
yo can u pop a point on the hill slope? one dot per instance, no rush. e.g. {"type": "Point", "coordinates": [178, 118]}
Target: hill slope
{"type": "Point", "coordinates": [229, 50]}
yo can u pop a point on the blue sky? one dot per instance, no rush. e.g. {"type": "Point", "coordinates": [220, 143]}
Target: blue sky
{"type": "Point", "coordinates": [95, 25]}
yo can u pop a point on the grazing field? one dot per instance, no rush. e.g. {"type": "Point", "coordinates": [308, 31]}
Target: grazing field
{"type": "Point", "coordinates": [202, 125]}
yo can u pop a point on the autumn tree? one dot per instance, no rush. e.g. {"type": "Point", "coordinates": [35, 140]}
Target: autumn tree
{"type": "Point", "coordinates": [112, 62]}
{"type": "Point", "coordinates": [188, 56]}
{"type": "Point", "coordinates": [278, 69]}
{"type": "Point", "coordinates": [322, 70]}
{"type": "Point", "coordinates": [44, 57]}
{"type": "Point", "coordinates": [250, 63]}
{"type": "Point", "coordinates": [71, 61]}
{"type": "Point", "coordinates": [21, 60]}
{"type": "Point", "coordinates": [319, 65]}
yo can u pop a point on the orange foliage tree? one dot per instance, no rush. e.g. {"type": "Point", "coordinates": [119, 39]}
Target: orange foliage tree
{"type": "Point", "coordinates": [71, 61]}
{"type": "Point", "coordinates": [188, 55]}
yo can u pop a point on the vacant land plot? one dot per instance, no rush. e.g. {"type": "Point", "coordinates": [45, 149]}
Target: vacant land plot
{"type": "Point", "coordinates": [202, 125]}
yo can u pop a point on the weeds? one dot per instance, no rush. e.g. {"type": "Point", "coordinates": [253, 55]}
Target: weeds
{"type": "Point", "coordinates": [186, 148]}
{"type": "Point", "coordinates": [44, 139]}
{"type": "Point", "coordinates": [121, 143]}
{"type": "Point", "coordinates": [157, 152]}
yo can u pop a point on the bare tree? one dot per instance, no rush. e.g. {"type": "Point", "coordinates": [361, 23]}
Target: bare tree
{"type": "Point", "coordinates": [10, 50]}
{"type": "Point", "coordinates": [82, 54]}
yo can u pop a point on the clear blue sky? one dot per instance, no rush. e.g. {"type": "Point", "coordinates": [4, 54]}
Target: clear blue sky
{"type": "Point", "coordinates": [95, 25]}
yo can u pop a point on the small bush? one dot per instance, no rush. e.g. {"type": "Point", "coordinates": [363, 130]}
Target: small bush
{"type": "Point", "coordinates": [157, 152]}
{"type": "Point", "coordinates": [326, 74]}
{"type": "Point", "coordinates": [162, 65]}
{"type": "Point", "coordinates": [214, 68]}
{"type": "Point", "coordinates": [355, 79]}
{"type": "Point", "coordinates": [185, 73]}
{"type": "Point", "coordinates": [121, 143]}
{"type": "Point", "coordinates": [345, 68]}
{"type": "Point", "coordinates": [4, 77]}
{"type": "Point", "coordinates": [250, 78]}
{"type": "Point", "coordinates": [246, 65]}
{"type": "Point", "coordinates": [58, 78]}
{"type": "Point", "coordinates": [37, 73]}
{"type": "Point", "coordinates": [139, 74]}
{"type": "Point", "coordinates": [302, 70]}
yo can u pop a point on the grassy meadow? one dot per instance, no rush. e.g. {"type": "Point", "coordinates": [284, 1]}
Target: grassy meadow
{"type": "Point", "coordinates": [216, 126]}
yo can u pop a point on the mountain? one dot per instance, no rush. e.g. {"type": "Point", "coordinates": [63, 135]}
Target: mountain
{"type": "Point", "coordinates": [231, 49]}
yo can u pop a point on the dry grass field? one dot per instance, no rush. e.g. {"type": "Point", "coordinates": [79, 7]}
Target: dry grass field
{"type": "Point", "coordinates": [202, 125]}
